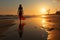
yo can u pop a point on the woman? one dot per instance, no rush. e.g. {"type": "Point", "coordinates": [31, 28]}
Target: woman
{"type": "Point", "coordinates": [20, 11]}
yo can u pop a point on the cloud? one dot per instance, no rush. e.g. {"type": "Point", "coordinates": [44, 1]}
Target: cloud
{"type": "Point", "coordinates": [56, 1]}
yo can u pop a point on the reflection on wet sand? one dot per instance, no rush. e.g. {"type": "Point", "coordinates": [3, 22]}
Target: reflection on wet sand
{"type": "Point", "coordinates": [52, 26]}
{"type": "Point", "coordinates": [20, 29]}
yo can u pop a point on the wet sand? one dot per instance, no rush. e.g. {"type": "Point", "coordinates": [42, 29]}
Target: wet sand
{"type": "Point", "coordinates": [32, 28]}
{"type": "Point", "coordinates": [5, 25]}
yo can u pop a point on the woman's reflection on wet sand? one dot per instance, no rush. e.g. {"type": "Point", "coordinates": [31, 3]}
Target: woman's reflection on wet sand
{"type": "Point", "coordinates": [21, 29]}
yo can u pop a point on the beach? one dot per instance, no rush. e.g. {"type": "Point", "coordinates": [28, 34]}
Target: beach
{"type": "Point", "coordinates": [34, 28]}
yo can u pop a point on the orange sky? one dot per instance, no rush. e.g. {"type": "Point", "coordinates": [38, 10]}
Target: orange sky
{"type": "Point", "coordinates": [31, 7]}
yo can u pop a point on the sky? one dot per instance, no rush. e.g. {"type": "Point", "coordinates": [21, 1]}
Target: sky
{"type": "Point", "coordinates": [30, 7]}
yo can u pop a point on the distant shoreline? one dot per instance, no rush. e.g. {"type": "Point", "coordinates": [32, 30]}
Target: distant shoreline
{"type": "Point", "coordinates": [26, 16]}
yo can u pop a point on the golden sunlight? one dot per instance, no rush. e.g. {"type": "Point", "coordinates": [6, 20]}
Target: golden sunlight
{"type": "Point", "coordinates": [43, 22]}
{"type": "Point", "coordinates": [43, 11]}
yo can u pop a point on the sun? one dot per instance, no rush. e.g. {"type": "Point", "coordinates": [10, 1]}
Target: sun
{"type": "Point", "coordinates": [43, 10]}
